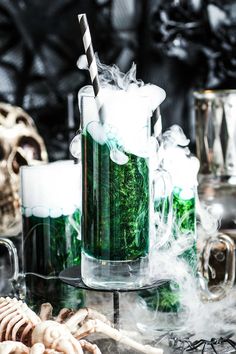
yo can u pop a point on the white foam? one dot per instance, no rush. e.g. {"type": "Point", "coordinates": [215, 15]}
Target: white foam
{"type": "Point", "coordinates": [41, 211]}
{"type": "Point", "coordinates": [127, 115]}
{"type": "Point", "coordinates": [175, 158]}
{"type": "Point", "coordinates": [55, 212]}
{"type": "Point", "coordinates": [183, 169]}
{"type": "Point", "coordinates": [52, 189]}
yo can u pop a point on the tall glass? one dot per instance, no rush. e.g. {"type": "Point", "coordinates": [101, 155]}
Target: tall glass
{"type": "Point", "coordinates": [51, 211]}
{"type": "Point", "coordinates": [116, 189]}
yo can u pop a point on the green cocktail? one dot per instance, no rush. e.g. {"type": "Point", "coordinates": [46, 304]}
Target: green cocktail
{"type": "Point", "coordinates": [184, 209]}
{"type": "Point", "coordinates": [116, 189]}
{"type": "Point", "coordinates": [120, 230]}
{"type": "Point", "coordinates": [51, 244]}
{"type": "Point", "coordinates": [51, 240]}
{"type": "Point", "coordinates": [166, 298]}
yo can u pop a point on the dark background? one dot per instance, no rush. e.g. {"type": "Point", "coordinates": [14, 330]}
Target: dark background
{"type": "Point", "coordinates": [179, 45]}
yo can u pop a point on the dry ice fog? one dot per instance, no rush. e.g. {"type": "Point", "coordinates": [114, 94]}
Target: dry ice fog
{"type": "Point", "coordinates": [171, 165]}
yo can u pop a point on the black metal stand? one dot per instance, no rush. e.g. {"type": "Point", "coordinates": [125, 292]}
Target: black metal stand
{"type": "Point", "coordinates": [116, 309]}
{"type": "Point", "coordinates": [72, 276]}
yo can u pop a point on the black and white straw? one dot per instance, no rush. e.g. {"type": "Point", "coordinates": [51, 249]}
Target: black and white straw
{"type": "Point", "coordinates": [92, 65]}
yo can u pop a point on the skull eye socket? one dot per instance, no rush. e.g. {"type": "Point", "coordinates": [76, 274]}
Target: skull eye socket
{"type": "Point", "coordinates": [22, 119]}
{"type": "Point", "coordinates": [3, 112]}
{"type": "Point", "coordinates": [18, 161]}
{"type": "Point", "coordinates": [2, 154]}
{"type": "Point", "coordinates": [32, 150]}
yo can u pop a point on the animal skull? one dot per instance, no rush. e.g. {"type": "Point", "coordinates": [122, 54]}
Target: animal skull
{"type": "Point", "coordinates": [20, 144]}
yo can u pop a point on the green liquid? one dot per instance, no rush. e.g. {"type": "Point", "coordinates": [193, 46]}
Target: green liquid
{"type": "Point", "coordinates": [166, 298]}
{"type": "Point", "coordinates": [184, 223]}
{"type": "Point", "coordinates": [51, 244]}
{"type": "Point", "coordinates": [115, 204]}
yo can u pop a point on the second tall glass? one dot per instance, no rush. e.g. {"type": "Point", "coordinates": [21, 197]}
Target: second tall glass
{"type": "Point", "coordinates": [51, 214]}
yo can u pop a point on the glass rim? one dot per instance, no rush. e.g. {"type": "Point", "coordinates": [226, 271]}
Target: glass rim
{"type": "Point", "coordinates": [56, 164]}
{"type": "Point", "coordinates": [86, 90]}
{"type": "Point", "coordinates": [212, 93]}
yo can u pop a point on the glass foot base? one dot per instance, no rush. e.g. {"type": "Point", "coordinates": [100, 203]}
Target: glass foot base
{"type": "Point", "coordinates": [114, 275]}
{"type": "Point", "coordinates": [162, 322]}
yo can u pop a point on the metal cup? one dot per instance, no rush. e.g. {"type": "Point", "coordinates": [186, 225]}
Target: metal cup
{"type": "Point", "coordinates": [215, 117]}
{"type": "Point", "coordinates": [216, 132]}
{"type": "Point", "coordinates": [215, 113]}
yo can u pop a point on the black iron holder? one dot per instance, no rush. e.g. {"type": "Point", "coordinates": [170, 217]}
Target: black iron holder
{"type": "Point", "coordinates": [72, 276]}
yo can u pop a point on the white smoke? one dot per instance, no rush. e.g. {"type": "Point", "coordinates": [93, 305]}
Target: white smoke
{"type": "Point", "coordinates": [129, 105]}
{"type": "Point", "coordinates": [111, 77]}
{"type": "Point", "coordinates": [176, 167]}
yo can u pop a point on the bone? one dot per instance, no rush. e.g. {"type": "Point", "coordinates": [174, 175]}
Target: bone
{"type": "Point", "coordinates": [8, 347]}
{"type": "Point", "coordinates": [10, 325]}
{"type": "Point", "coordinates": [85, 314]}
{"type": "Point", "coordinates": [91, 348]}
{"type": "Point", "coordinates": [97, 326]}
{"type": "Point", "coordinates": [45, 312]}
{"type": "Point", "coordinates": [7, 310]}
{"type": "Point", "coordinates": [37, 348]}
{"type": "Point", "coordinates": [56, 336]}
{"type": "Point", "coordinates": [6, 303]}
{"type": "Point", "coordinates": [5, 322]}
{"type": "Point", "coordinates": [16, 124]}
{"type": "Point", "coordinates": [64, 314]}
{"type": "Point", "coordinates": [26, 332]}
{"type": "Point", "coordinates": [16, 328]}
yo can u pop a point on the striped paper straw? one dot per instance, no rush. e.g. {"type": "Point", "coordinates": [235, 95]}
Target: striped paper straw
{"type": "Point", "coordinates": [92, 65]}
